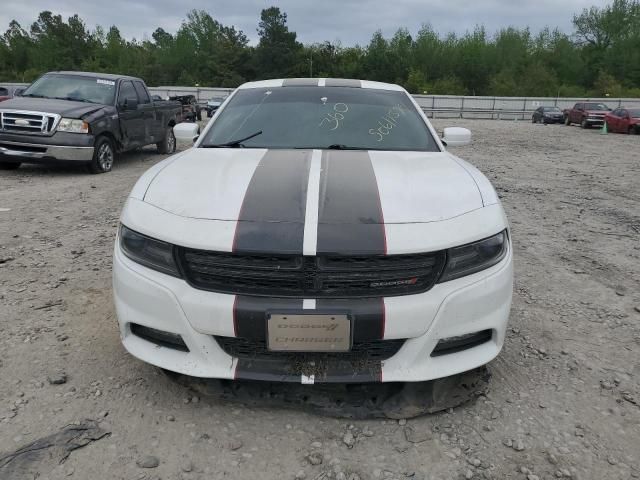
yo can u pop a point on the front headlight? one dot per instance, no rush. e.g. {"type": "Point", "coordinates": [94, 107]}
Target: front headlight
{"type": "Point", "coordinates": [474, 257]}
{"type": "Point", "coordinates": [152, 253]}
{"type": "Point", "coordinates": [73, 126]}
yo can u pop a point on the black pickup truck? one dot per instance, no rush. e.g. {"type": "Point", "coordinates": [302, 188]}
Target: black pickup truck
{"type": "Point", "coordinates": [83, 118]}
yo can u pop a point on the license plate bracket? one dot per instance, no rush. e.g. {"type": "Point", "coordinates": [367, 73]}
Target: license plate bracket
{"type": "Point", "coordinates": [308, 332]}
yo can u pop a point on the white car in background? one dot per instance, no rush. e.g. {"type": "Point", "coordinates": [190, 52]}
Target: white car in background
{"type": "Point", "coordinates": [318, 231]}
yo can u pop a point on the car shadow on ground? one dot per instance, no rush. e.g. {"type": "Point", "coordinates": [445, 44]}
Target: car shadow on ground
{"type": "Point", "coordinates": [354, 401]}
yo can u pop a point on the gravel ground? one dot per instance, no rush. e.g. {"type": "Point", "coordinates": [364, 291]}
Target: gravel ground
{"type": "Point", "coordinates": [563, 401]}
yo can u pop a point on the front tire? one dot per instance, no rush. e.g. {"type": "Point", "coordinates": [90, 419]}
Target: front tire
{"type": "Point", "coordinates": [104, 154]}
{"type": "Point", "coordinates": [634, 130]}
{"type": "Point", "coordinates": [584, 123]}
{"type": "Point", "coordinates": [10, 166]}
{"type": "Point", "coordinates": [168, 144]}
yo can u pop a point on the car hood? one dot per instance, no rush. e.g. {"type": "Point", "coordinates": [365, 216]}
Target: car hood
{"type": "Point", "coordinates": [338, 187]}
{"type": "Point", "coordinates": [65, 108]}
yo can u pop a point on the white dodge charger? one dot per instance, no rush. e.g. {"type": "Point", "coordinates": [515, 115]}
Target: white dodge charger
{"type": "Point", "coordinates": [318, 231]}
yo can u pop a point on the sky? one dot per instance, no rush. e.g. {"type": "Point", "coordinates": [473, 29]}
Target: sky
{"type": "Point", "coordinates": [348, 21]}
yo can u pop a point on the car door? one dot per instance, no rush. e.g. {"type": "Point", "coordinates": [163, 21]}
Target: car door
{"type": "Point", "coordinates": [131, 117]}
{"type": "Point", "coordinates": [612, 120]}
{"type": "Point", "coordinates": [624, 121]}
{"type": "Point", "coordinates": [149, 117]}
{"type": "Point", "coordinates": [577, 114]}
{"type": "Point", "coordinates": [618, 120]}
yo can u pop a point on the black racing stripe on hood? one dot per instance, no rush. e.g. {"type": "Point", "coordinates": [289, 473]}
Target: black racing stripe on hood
{"type": "Point", "coordinates": [272, 215]}
{"type": "Point", "coordinates": [350, 219]}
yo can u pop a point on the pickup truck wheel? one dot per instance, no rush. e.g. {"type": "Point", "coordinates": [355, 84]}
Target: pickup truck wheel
{"type": "Point", "coordinates": [10, 166]}
{"type": "Point", "coordinates": [634, 130]}
{"type": "Point", "coordinates": [103, 156]}
{"type": "Point", "coordinates": [168, 145]}
{"type": "Point", "coordinates": [584, 123]}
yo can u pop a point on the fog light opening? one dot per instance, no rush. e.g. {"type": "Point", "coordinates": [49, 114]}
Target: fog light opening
{"type": "Point", "coordinates": [159, 337]}
{"type": "Point", "coordinates": [457, 344]}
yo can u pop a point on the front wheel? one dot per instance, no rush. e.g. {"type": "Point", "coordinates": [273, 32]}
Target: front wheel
{"type": "Point", "coordinates": [168, 144]}
{"type": "Point", "coordinates": [104, 155]}
{"type": "Point", "coordinates": [634, 130]}
{"type": "Point", "coordinates": [584, 123]}
{"type": "Point", "coordinates": [10, 166]}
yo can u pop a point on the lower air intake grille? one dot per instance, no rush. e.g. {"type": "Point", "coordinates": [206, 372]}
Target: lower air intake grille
{"type": "Point", "coordinates": [369, 351]}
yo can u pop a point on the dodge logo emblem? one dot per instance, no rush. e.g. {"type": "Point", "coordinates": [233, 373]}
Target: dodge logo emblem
{"type": "Point", "coordinates": [394, 283]}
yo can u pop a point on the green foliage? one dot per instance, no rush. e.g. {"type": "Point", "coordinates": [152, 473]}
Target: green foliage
{"type": "Point", "coordinates": [278, 52]}
{"type": "Point", "coordinates": [447, 86]}
{"type": "Point", "coordinates": [606, 85]}
{"type": "Point", "coordinates": [601, 57]}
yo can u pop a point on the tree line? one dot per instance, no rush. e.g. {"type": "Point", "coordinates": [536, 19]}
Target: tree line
{"type": "Point", "coordinates": [600, 57]}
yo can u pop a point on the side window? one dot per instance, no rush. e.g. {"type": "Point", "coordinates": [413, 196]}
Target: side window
{"type": "Point", "coordinates": [579, 106]}
{"type": "Point", "coordinates": [126, 92]}
{"type": "Point", "coordinates": [143, 96]}
{"type": "Point", "coordinates": [624, 113]}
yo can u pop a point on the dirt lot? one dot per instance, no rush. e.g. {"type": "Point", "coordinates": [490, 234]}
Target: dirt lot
{"type": "Point", "coordinates": [564, 400]}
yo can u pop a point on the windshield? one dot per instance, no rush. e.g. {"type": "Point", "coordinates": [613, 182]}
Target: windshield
{"type": "Point", "coordinates": [322, 117]}
{"type": "Point", "coordinates": [73, 87]}
{"type": "Point", "coordinates": [595, 106]}
{"type": "Point", "coordinates": [551, 109]}
{"type": "Point", "coordinates": [635, 113]}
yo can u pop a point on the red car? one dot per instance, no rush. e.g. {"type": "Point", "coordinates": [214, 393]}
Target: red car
{"type": "Point", "coordinates": [624, 120]}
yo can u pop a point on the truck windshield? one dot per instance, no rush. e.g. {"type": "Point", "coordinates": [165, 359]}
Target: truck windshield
{"type": "Point", "coordinates": [73, 87]}
{"type": "Point", "coordinates": [321, 117]}
{"type": "Point", "coordinates": [595, 106]}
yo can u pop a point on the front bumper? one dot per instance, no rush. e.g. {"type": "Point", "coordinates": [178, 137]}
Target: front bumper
{"type": "Point", "coordinates": [475, 303]}
{"type": "Point", "coordinates": [594, 121]}
{"type": "Point", "coordinates": [68, 147]}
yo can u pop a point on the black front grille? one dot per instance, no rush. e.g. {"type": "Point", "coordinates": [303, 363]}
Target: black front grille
{"type": "Point", "coordinates": [365, 352]}
{"type": "Point", "coordinates": [311, 277]}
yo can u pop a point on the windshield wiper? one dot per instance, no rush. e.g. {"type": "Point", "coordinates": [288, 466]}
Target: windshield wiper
{"type": "Point", "coordinates": [340, 146]}
{"type": "Point", "coordinates": [34, 95]}
{"type": "Point", "coordinates": [234, 143]}
{"type": "Point", "coordinates": [73, 99]}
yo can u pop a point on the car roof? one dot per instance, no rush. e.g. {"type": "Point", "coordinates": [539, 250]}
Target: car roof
{"type": "Point", "coordinates": [321, 82]}
{"type": "Point", "coordinates": [106, 76]}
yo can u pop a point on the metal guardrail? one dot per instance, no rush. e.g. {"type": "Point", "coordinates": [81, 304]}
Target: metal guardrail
{"type": "Point", "coordinates": [434, 106]}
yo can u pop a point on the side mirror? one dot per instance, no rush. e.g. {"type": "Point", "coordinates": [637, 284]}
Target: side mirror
{"type": "Point", "coordinates": [130, 104]}
{"type": "Point", "coordinates": [186, 132]}
{"type": "Point", "coordinates": [456, 136]}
